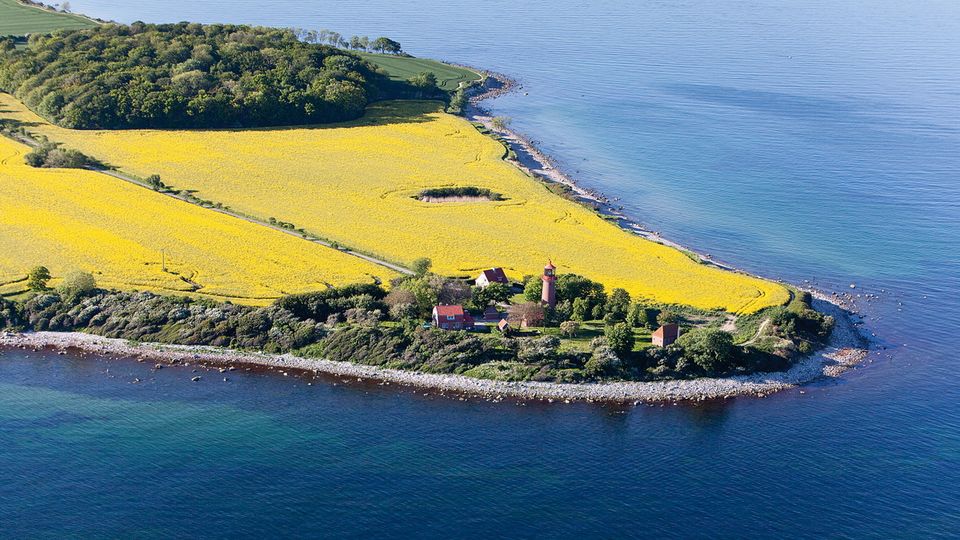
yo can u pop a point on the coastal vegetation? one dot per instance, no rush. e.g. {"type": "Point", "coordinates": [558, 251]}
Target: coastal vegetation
{"type": "Point", "coordinates": [365, 324]}
{"type": "Point", "coordinates": [355, 183]}
{"type": "Point", "coordinates": [459, 192]}
{"type": "Point", "coordinates": [133, 238]}
{"type": "Point", "coordinates": [242, 230]}
{"type": "Point", "coordinates": [187, 75]}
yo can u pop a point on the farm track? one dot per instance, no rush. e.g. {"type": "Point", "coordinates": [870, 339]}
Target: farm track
{"type": "Point", "coordinates": [368, 258]}
{"type": "Point", "coordinates": [130, 179]}
{"type": "Point", "coordinates": [195, 285]}
{"type": "Point", "coordinates": [763, 326]}
{"type": "Point", "coordinates": [126, 178]}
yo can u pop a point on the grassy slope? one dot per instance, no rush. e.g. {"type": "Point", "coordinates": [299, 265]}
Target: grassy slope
{"type": "Point", "coordinates": [354, 183]}
{"type": "Point", "coordinates": [402, 68]}
{"type": "Point", "coordinates": [18, 19]}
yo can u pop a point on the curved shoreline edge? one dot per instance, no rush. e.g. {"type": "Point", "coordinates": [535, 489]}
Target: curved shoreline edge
{"type": "Point", "coordinates": [538, 165]}
{"type": "Point", "coordinates": [847, 349]}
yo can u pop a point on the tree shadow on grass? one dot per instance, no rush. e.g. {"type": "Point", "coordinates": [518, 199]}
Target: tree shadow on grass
{"type": "Point", "coordinates": [14, 124]}
{"type": "Point", "coordinates": [380, 113]}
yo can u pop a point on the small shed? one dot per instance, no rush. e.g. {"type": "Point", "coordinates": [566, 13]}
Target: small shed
{"type": "Point", "coordinates": [665, 335]}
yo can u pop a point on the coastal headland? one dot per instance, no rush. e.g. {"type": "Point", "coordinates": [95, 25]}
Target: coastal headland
{"type": "Point", "coordinates": [371, 185]}
{"type": "Point", "coordinates": [845, 351]}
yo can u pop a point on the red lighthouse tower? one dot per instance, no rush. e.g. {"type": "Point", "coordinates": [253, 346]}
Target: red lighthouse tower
{"type": "Point", "coordinates": [549, 295]}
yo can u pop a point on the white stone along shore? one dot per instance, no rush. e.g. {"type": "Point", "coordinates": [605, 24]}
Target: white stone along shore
{"type": "Point", "coordinates": [845, 350]}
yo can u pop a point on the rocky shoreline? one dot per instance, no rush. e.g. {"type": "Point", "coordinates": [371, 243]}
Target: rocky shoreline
{"type": "Point", "coordinates": [847, 348]}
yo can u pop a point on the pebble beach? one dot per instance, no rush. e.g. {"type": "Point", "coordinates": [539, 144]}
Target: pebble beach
{"type": "Point", "coordinates": [847, 349]}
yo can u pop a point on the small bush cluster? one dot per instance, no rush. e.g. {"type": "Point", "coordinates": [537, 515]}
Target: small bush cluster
{"type": "Point", "coordinates": [52, 156]}
{"type": "Point", "coordinates": [146, 316]}
{"type": "Point", "coordinates": [460, 191]}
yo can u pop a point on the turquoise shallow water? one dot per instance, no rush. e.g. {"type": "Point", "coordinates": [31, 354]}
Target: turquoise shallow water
{"type": "Point", "coordinates": [816, 141]}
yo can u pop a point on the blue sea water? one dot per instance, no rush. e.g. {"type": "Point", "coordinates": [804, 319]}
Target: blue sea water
{"type": "Point", "coordinates": [800, 140]}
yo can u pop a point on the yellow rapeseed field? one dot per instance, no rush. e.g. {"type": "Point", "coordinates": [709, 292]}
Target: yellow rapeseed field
{"type": "Point", "coordinates": [355, 182]}
{"type": "Point", "coordinates": [81, 220]}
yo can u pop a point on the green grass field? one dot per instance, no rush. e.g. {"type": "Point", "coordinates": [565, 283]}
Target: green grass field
{"type": "Point", "coordinates": [17, 19]}
{"type": "Point", "coordinates": [401, 68]}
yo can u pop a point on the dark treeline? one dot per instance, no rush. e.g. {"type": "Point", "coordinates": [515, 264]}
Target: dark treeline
{"type": "Point", "coordinates": [189, 75]}
{"type": "Point", "coordinates": [381, 45]}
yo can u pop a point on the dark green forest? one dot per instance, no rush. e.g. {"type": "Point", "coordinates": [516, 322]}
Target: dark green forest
{"type": "Point", "coordinates": [189, 75]}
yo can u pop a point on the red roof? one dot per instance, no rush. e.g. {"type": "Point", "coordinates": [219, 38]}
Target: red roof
{"type": "Point", "coordinates": [495, 275]}
{"type": "Point", "coordinates": [550, 265]}
{"type": "Point", "coordinates": [449, 311]}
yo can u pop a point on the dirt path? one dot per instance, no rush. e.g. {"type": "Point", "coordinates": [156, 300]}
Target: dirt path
{"type": "Point", "coordinates": [369, 258]}
{"type": "Point", "coordinates": [126, 178]}
{"type": "Point", "coordinates": [729, 324]}
{"type": "Point", "coordinates": [763, 326]}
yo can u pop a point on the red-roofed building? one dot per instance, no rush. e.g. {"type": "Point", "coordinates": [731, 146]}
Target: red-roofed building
{"type": "Point", "coordinates": [493, 275]}
{"type": "Point", "coordinates": [452, 318]}
{"type": "Point", "coordinates": [665, 335]}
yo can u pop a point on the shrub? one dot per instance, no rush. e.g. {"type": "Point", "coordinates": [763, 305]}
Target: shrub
{"type": "Point", "coordinates": [712, 350]}
{"type": "Point", "coordinates": [10, 315]}
{"type": "Point", "coordinates": [50, 155]}
{"type": "Point", "coordinates": [439, 351]}
{"type": "Point", "coordinates": [538, 351]}
{"type": "Point", "coordinates": [318, 306]}
{"type": "Point", "coordinates": [459, 191]}
{"type": "Point", "coordinates": [76, 285]}
{"type": "Point", "coordinates": [371, 345]}
{"type": "Point", "coordinates": [603, 362]}
{"type": "Point", "coordinates": [425, 80]}
{"type": "Point", "coordinates": [156, 184]}
{"type": "Point", "coordinates": [569, 328]}
{"type": "Point", "coordinates": [421, 266]}
{"type": "Point", "coordinates": [620, 338]}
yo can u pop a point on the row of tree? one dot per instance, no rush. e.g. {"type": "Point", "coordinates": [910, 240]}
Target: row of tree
{"type": "Point", "coordinates": [383, 45]}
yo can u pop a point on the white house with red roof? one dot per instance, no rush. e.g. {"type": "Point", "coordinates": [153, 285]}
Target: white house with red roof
{"type": "Point", "coordinates": [493, 275]}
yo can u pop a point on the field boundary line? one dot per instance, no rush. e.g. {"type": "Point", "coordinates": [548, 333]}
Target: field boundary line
{"type": "Point", "coordinates": [116, 174]}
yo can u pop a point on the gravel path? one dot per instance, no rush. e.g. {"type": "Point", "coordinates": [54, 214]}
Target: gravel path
{"type": "Point", "coordinates": [844, 352]}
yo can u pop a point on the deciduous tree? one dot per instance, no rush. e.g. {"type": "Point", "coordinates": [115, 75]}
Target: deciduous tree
{"type": "Point", "coordinates": [620, 338]}
{"type": "Point", "coordinates": [37, 278]}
